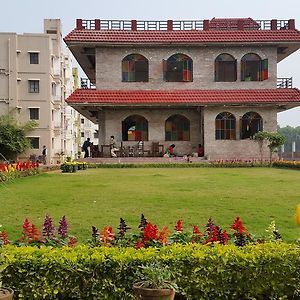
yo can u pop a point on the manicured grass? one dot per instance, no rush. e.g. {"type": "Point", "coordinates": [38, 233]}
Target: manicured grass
{"type": "Point", "coordinates": [101, 196]}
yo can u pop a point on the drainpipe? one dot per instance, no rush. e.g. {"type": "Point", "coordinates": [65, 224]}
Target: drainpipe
{"type": "Point", "coordinates": [8, 74]}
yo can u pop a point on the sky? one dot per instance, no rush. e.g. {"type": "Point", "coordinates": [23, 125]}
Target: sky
{"type": "Point", "coordinates": [27, 16]}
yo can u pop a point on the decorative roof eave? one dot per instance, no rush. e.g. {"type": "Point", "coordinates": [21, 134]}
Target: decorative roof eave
{"type": "Point", "coordinates": [184, 98]}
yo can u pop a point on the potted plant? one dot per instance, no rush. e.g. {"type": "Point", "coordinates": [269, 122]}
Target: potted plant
{"type": "Point", "coordinates": [5, 292]}
{"type": "Point", "coordinates": [154, 283]}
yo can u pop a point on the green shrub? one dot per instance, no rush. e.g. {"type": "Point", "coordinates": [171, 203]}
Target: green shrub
{"type": "Point", "coordinates": [287, 164]}
{"type": "Point", "coordinates": [264, 271]}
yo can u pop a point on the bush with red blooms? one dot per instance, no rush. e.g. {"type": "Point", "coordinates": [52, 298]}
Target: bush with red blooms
{"type": "Point", "coordinates": [151, 236]}
{"type": "Point", "coordinates": [49, 236]}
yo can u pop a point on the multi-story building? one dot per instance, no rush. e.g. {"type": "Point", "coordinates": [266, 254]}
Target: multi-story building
{"type": "Point", "coordinates": [35, 79]}
{"type": "Point", "coordinates": [211, 82]}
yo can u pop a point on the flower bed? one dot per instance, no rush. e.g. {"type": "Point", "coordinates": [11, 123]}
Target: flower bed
{"type": "Point", "coordinates": [16, 170]}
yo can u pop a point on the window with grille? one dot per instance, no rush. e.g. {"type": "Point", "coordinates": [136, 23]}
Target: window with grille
{"type": "Point", "coordinates": [35, 142]}
{"type": "Point", "coordinates": [225, 126]}
{"type": "Point", "coordinates": [135, 128]}
{"type": "Point", "coordinates": [225, 68]}
{"type": "Point", "coordinates": [251, 123]}
{"type": "Point", "coordinates": [33, 86]}
{"type": "Point", "coordinates": [178, 68]}
{"type": "Point", "coordinates": [253, 68]}
{"type": "Point", "coordinates": [34, 58]}
{"type": "Point", "coordinates": [135, 68]}
{"type": "Point", "coordinates": [177, 128]}
{"type": "Point", "coordinates": [34, 113]}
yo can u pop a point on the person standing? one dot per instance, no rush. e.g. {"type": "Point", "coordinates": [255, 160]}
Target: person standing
{"type": "Point", "coordinates": [85, 147]}
{"type": "Point", "coordinates": [113, 146]}
{"type": "Point", "coordinates": [44, 154]}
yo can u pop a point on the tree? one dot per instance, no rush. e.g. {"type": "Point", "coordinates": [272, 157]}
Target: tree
{"type": "Point", "coordinates": [274, 140]}
{"type": "Point", "coordinates": [292, 134]}
{"type": "Point", "coordinates": [13, 140]}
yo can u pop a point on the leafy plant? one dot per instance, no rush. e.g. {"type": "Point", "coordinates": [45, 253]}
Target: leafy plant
{"type": "Point", "coordinates": [13, 138]}
{"type": "Point", "coordinates": [155, 275]}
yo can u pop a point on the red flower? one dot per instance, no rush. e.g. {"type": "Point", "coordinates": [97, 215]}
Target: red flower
{"type": "Point", "coordinates": [178, 226]}
{"type": "Point", "coordinates": [150, 232]}
{"type": "Point", "coordinates": [238, 226]}
{"type": "Point", "coordinates": [72, 242]}
{"type": "Point", "coordinates": [139, 244]}
{"type": "Point", "coordinates": [3, 236]}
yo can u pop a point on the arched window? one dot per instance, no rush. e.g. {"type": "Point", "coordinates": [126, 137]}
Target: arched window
{"type": "Point", "coordinates": [177, 128]}
{"type": "Point", "coordinates": [178, 68]}
{"type": "Point", "coordinates": [135, 128]}
{"type": "Point", "coordinates": [225, 126]}
{"type": "Point", "coordinates": [253, 68]}
{"type": "Point", "coordinates": [251, 123]}
{"type": "Point", "coordinates": [225, 68]}
{"type": "Point", "coordinates": [135, 68]}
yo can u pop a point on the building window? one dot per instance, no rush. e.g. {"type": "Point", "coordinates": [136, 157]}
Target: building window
{"type": "Point", "coordinates": [53, 87]}
{"type": "Point", "coordinates": [135, 128]}
{"type": "Point", "coordinates": [33, 86]}
{"type": "Point", "coordinates": [82, 121]}
{"type": "Point", "coordinates": [253, 68]}
{"type": "Point", "coordinates": [135, 68]}
{"type": "Point", "coordinates": [225, 126]}
{"type": "Point", "coordinates": [34, 58]}
{"type": "Point", "coordinates": [251, 123]}
{"type": "Point", "coordinates": [177, 128]}
{"type": "Point", "coordinates": [178, 68]}
{"type": "Point", "coordinates": [82, 134]}
{"type": "Point", "coordinates": [34, 113]}
{"type": "Point", "coordinates": [96, 134]}
{"type": "Point", "coordinates": [225, 68]}
{"type": "Point", "coordinates": [35, 142]}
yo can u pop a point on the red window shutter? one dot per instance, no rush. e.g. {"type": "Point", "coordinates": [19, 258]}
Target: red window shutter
{"type": "Point", "coordinates": [235, 70]}
{"type": "Point", "coordinates": [264, 69]}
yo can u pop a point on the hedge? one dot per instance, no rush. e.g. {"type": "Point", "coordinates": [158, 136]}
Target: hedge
{"type": "Point", "coordinates": [287, 164]}
{"type": "Point", "coordinates": [219, 164]}
{"type": "Point", "coordinates": [263, 271]}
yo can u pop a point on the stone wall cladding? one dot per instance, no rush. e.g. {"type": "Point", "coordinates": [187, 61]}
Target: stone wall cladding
{"type": "Point", "coordinates": [236, 149]}
{"type": "Point", "coordinates": [109, 67]}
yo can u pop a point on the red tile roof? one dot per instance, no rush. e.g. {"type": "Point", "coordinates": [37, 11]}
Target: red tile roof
{"type": "Point", "coordinates": [183, 97]}
{"type": "Point", "coordinates": [182, 36]}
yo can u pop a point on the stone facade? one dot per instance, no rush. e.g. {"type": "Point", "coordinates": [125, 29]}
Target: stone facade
{"type": "Point", "coordinates": [239, 148]}
{"type": "Point", "coordinates": [109, 67]}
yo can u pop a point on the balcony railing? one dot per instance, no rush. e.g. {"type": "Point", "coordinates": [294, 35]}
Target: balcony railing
{"type": "Point", "coordinates": [85, 83]}
{"type": "Point", "coordinates": [214, 24]}
{"type": "Point", "coordinates": [284, 83]}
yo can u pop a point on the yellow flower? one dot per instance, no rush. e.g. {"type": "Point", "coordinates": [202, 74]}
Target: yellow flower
{"type": "Point", "coordinates": [297, 216]}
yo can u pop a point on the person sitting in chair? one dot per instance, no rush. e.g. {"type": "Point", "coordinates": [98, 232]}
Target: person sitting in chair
{"type": "Point", "coordinates": [170, 151]}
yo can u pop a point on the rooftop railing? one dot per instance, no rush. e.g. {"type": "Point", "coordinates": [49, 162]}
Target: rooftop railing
{"type": "Point", "coordinates": [213, 24]}
{"type": "Point", "coordinates": [85, 83]}
{"type": "Point", "coordinates": [284, 83]}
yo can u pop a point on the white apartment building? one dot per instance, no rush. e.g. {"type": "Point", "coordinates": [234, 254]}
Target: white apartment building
{"type": "Point", "coordinates": [35, 79]}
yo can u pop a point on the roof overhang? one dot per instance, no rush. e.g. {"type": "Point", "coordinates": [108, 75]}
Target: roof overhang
{"type": "Point", "coordinates": [89, 102]}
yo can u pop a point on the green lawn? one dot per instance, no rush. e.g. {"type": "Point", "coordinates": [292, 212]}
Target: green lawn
{"type": "Point", "coordinates": [101, 196]}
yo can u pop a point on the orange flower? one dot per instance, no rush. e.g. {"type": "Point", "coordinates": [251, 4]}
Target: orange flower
{"type": "Point", "coordinates": [107, 235]}
{"type": "Point", "coordinates": [163, 235]}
